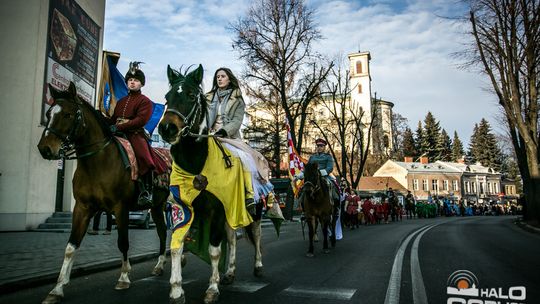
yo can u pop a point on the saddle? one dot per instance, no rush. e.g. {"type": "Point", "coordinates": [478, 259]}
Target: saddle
{"type": "Point", "coordinates": [130, 162]}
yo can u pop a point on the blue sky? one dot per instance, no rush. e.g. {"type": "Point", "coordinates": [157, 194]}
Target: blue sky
{"type": "Point", "coordinates": [410, 46]}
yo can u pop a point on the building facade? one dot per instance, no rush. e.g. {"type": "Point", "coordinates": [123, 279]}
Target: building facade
{"type": "Point", "coordinates": [474, 183]}
{"type": "Point", "coordinates": [33, 32]}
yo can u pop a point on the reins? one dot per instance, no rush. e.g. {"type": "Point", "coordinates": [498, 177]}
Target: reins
{"type": "Point", "coordinates": [68, 149]}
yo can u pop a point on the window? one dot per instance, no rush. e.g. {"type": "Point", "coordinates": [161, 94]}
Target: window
{"type": "Point", "coordinates": [415, 184]}
{"type": "Point", "coordinates": [424, 185]}
{"type": "Point", "coordinates": [359, 89]}
{"type": "Point", "coordinates": [468, 187]}
{"type": "Point", "coordinates": [434, 184]}
{"type": "Point", "coordinates": [455, 185]}
{"type": "Point", "coordinates": [445, 185]}
{"type": "Point", "coordinates": [481, 188]}
{"type": "Point", "coordinates": [359, 67]}
{"type": "Point", "coordinates": [489, 188]}
{"type": "Point", "coordinates": [473, 187]}
{"type": "Point", "coordinates": [496, 187]}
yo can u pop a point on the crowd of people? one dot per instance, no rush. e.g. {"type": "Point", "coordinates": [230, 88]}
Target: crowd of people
{"type": "Point", "coordinates": [372, 210]}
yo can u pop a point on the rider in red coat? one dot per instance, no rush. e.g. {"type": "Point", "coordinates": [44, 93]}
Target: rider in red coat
{"type": "Point", "coordinates": [131, 113]}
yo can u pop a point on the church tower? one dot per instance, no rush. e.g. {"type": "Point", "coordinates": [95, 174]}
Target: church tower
{"type": "Point", "coordinates": [360, 85]}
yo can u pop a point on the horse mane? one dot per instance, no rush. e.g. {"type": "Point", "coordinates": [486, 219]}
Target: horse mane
{"type": "Point", "coordinates": [101, 120]}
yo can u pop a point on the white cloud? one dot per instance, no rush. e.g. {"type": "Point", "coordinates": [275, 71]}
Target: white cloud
{"type": "Point", "coordinates": [410, 47]}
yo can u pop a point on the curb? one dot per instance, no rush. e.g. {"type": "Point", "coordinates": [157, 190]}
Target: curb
{"type": "Point", "coordinates": [527, 227]}
{"type": "Point", "coordinates": [38, 279]}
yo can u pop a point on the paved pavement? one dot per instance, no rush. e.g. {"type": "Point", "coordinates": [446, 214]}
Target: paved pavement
{"type": "Point", "coordinates": [34, 258]}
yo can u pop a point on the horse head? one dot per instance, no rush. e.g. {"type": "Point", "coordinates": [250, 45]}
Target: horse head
{"type": "Point", "coordinates": [312, 179]}
{"type": "Point", "coordinates": [186, 105]}
{"type": "Point", "coordinates": [65, 123]}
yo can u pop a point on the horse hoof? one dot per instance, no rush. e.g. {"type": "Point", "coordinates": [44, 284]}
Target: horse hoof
{"type": "Point", "coordinates": [227, 279]}
{"type": "Point", "coordinates": [258, 272]}
{"type": "Point", "coordinates": [157, 272]}
{"type": "Point", "coordinates": [309, 255]}
{"type": "Point", "coordinates": [180, 300]}
{"type": "Point", "coordinates": [51, 299]}
{"type": "Point", "coordinates": [211, 297]}
{"type": "Point", "coordinates": [121, 285]}
{"type": "Point", "coordinates": [326, 251]}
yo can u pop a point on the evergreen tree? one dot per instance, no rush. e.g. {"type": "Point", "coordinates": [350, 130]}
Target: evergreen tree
{"type": "Point", "coordinates": [409, 145]}
{"type": "Point", "coordinates": [432, 131]}
{"type": "Point", "coordinates": [457, 148]}
{"type": "Point", "coordinates": [444, 147]}
{"type": "Point", "coordinates": [484, 148]}
{"type": "Point", "coordinates": [473, 145]}
{"type": "Point", "coordinates": [419, 140]}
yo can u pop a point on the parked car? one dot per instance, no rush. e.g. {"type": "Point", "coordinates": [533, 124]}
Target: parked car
{"type": "Point", "coordinates": [141, 218]}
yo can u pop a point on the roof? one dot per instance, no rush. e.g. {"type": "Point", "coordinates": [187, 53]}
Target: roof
{"type": "Point", "coordinates": [473, 168]}
{"type": "Point", "coordinates": [379, 183]}
{"type": "Point", "coordinates": [437, 167]}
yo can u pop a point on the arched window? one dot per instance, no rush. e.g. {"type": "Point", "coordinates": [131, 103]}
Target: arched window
{"type": "Point", "coordinates": [359, 88]}
{"type": "Point", "coordinates": [359, 67]}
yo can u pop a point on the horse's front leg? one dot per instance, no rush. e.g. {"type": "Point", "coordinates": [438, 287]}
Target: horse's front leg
{"type": "Point", "coordinates": [325, 223]}
{"type": "Point", "coordinates": [176, 295]}
{"type": "Point", "coordinates": [122, 219]}
{"type": "Point", "coordinates": [81, 218]}
{"type": "Point", "coordinates": [212, 293]}
{"type": "Point", "coordinates": [228, 277]}
{"type": "Point", "coordinates": [256, 228]}
{"type": "Point", "coordinates": [311, 230]}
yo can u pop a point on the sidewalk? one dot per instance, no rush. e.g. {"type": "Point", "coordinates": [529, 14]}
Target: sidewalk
{"type": "Point", "coordinates": [34, 258]}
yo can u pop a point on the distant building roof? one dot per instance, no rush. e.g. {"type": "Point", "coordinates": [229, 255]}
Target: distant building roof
{"type": "Point", "coordinates": [429, 167]}
{"type": "Point", "coordinates": [380, 183]}
{"type": "Point", "coordinates": [473, 168]}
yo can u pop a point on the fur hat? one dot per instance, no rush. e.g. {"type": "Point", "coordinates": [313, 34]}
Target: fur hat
{"type": "Point", "coordinates": [135, 72]}
{"type": "Point", "coordinates": [320, 141]}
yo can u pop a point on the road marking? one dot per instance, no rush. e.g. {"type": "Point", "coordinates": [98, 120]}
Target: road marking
{"type": "Point", "coordinates": [394, 284]}
{"type": "Point", "coordinates": [418, 288]}
{"type": "Point", "coordinates": [316, 292]}
{"type": "Point", "coordinates": [249, 287]}
{"type": "Point", "coordinates": [162, 281]}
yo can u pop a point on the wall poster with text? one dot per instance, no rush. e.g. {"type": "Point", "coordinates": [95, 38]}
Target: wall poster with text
{"type": "Point", "coordinates": [72, 52]}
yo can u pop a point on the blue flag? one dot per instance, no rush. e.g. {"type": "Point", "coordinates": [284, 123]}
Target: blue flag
{"type": "Point", "coordinates": [156, 116]}
{"type": "Point", "coordinates": [115, 88]}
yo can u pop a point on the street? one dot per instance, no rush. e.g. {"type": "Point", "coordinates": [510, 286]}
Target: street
{"type": "Point", "coordinates": [404, 262]}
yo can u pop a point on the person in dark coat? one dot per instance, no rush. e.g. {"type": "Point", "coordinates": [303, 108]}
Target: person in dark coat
{"type": "Point", "coordinates": [131, 114]}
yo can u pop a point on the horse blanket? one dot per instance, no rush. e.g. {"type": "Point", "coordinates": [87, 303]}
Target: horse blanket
{"type": "Point", "coordinates": [227, 184]}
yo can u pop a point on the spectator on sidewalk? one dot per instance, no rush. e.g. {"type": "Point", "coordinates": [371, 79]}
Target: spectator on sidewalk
{"type": "Point", "coordinates": [95, 224]}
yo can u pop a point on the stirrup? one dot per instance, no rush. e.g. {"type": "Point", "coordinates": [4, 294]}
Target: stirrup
{"type": "Point", "coordinates": [145, 198]}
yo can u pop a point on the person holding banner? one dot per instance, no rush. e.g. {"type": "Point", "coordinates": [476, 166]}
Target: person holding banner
{"type": "Point", "coordinates": [130, 115]}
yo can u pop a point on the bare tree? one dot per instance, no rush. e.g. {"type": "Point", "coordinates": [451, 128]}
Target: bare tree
{"type": "Point", "coordinates": [399, 127]}
{"type": "Point", "coordinates": [266, 126]}
{"type": "Point", "coordinates": [346, 131]}
{"type": "Point", "coordinates": [506, 35]}
{"type": "Point", "coordinates": [275, 39]}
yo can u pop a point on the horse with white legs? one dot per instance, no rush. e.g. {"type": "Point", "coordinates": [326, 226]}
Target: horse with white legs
{"type": "Point", "coordinates": [208, 191]}
{"type": "Point", "coordinates": [75, 130]}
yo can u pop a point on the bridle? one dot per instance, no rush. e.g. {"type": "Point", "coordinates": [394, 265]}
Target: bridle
{"type": "Point", "coordinates": [316, 186]}
{"type": "Point", "coordinates": [68, 147]}
{"type": "Point", "coordinates": [191, 118]}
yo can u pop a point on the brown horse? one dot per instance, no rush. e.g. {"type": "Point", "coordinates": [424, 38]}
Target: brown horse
{"type": "Point", "coordinates": [318, 206]}
{"type": "Point", "coordinates": [100, 182]}
{"type": "Point", "coordinates": [180, 126]}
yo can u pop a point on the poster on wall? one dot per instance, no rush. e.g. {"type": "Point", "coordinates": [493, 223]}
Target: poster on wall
{"type": "Point", "coordinates": [72, 52]}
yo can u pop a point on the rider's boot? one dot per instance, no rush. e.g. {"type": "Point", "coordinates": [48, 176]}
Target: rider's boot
{"type": "Point", "coordinates": [146, 185]}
